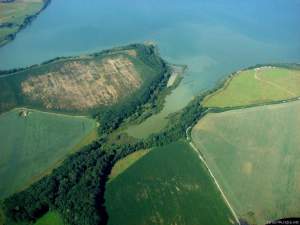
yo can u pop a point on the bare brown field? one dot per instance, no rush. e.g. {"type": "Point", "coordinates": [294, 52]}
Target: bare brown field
{"type": "Point", "coordinates": [78, 85]}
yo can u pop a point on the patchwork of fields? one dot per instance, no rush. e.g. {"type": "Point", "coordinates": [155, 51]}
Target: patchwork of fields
{"type": "Point", "coordinates": [256, 86]}
{"type": "Point", "coordinates": [255, 155]}
{"type": "Point", "coordinates": [169, 185]}
{"type": "Point", "coordinates": [32, 145]}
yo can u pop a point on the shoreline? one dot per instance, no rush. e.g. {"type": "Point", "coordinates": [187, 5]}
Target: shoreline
{"type": "Point", "coordinates": [27, 21]}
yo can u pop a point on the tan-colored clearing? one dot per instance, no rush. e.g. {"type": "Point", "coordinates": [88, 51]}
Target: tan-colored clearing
{"type": "Point", "coordinates": [247, 168]}
{"type": "Point", "coordinates": [83, 85]}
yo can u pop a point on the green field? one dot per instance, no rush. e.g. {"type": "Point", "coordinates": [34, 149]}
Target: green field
{"type": "Point", "coordinates": [15, 13]}
{"type": "Point", "coordinates": [31, 146]}
{"type": "Point", "coordinates": [255, 155]}
{"type": "Point", "coordinates": [169, 185]}
{"type": "Point", "coordinates": [256, 86]}
{"type": "Point", "coordinates": [126, 163]}
{"type": "Point", "coordinates": [50, 218]}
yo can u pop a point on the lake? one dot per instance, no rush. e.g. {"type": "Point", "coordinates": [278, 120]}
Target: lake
{"type": "Point", "coordinates": [214, 38]}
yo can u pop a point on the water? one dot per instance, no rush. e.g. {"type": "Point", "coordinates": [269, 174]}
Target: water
{"type": "Point", "coordinates": [213, 38]}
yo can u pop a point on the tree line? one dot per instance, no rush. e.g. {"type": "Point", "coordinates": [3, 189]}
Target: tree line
{"type": "Point", "coordinates": [112, 116]}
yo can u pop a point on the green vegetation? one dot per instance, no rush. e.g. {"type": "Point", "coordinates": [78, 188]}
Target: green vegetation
{"type": "Point", "coordinates": [144, 126]}
{"type": "Point", "coordinates": [169, 185]}
{"type": "Point", "coordinates": [50, 218]}
{"type": "Point", "coordinates": [125, 163]}
{"type": "Point", "coordinates": [15, 15]}
{"type": "Point", "coordinates": [33, 142]}
{"type": "Point", "coordinates": [147, 100]}
{"type": "Point", "coordinates": [254, 154]}
{"type": "Point", "coordinates": [256, 86]}
{"type": "Point", "coordinates": [76, 189]}
{"type": "Point", "coordinates": [120, 79]}
{"type": "Point", "coordinates": [2, 218]}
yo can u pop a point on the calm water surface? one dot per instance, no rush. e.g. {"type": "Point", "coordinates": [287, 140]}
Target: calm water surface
{"type": "Point", "coordinates": [213, 38]}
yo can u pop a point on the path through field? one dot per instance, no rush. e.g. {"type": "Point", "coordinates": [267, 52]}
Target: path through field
{"type": "Point", "coordinates": [271, 83]}
{"type": "Point", "coordinates": [213, 177]}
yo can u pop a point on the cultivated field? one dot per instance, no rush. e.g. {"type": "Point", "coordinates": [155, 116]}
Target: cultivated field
{"type": "Point", "coordinates": [13, 14]}
{"type": "Point", "coordinates": [126, 163]}
{"type": "Point", "coordinates": [169, 185]}
{"type": "Point", "coordinates": [35, 142]}
{"type": "Point", "coordinates": [255, 155]}
{"type": "Point", "coordinates": [256, 86]}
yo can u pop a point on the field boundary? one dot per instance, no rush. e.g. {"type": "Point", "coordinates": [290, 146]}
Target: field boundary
{"type": "Point", "coordinates": [213, 177]}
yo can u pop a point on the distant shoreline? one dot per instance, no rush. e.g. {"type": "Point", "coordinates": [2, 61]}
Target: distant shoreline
{"type": "Point", "coordinates": [28, 20]}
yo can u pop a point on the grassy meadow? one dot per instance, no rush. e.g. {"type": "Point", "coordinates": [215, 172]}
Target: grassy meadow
{"type": "Point", "coordinates": [256, 86]}
{"type": "Point", "coordinates": [31, 146]}
{"type": "Point", "coordinates": [168, 185]}
{"type": "Point", "coordinates": [255, 155]}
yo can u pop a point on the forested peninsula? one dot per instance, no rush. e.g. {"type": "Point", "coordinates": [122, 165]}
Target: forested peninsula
{"type": "Point", "coordinates": [15, 15]}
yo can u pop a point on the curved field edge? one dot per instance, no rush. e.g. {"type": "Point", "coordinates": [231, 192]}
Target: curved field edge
{"type": "Point", "coordinates": [34, 142]}
{"type": "Point", "coordinates": [169, 185]}
{"type": "Point", "coordinates": [122, 165]}
{"type": "Point", "coordinates": [259, 85]}
{"type": "Point", "coordinates": [254, 155]}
